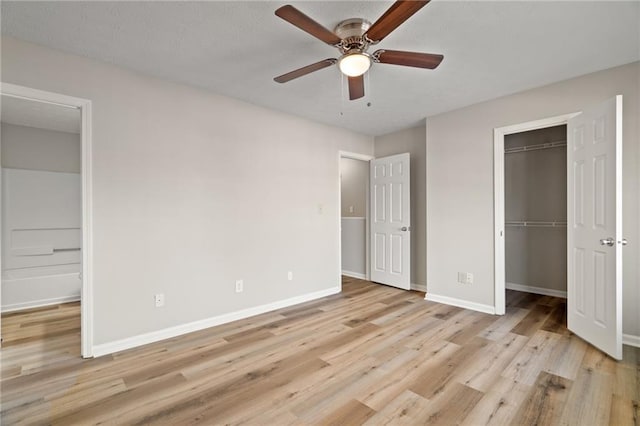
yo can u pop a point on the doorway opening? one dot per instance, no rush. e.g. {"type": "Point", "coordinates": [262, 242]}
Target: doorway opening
{"type": "Point", "coordinates": [354, 215]}
{"type": "Point", "coordinates": [535, 171]}
{"type": "Point", "coordinates": [46, 202]}
{"type": "Point", "coordinates": [525, 212]}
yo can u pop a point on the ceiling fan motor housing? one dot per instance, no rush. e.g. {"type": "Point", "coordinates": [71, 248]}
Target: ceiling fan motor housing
{"type": "Point", "coordinates": [351, 31]}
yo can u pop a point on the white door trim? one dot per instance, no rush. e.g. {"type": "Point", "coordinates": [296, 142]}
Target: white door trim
{"type": "Point", "coordinates": [498, 197]}
{"type": "Point", "coordinates": [361, 157]}
{"type": "Point", "coordinates": [84, 105]}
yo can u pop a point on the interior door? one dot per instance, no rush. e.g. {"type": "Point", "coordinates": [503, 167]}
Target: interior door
{"type": "Point", "coordinates": [594, 286]}
{"type": "Point", "coordinates": [390, 221]}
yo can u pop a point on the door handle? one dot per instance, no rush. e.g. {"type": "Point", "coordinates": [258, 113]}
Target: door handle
{"type": "Point", "coordinates": [623, 241]}
{"type": "Point", "coordinates": [607, 242]}
{"type": "Point", "coordinates": [405, 228]}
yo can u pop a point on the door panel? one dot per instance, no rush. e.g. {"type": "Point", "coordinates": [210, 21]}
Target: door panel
{"type": "Point", "coordinates": [391, 227]}
{"type": "Point", "coordinates": [594, 286]}
{"type": "Point", "coordinates": [396, 202]}
{"type": "Point", "coordinates": [379, 197]}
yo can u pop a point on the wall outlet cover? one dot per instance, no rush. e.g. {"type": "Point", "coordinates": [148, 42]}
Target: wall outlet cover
{"type": "Point", "coordinates": [469, 279]}
{"type": "Point", "coordinates": [239, 286]}
{"type": "Point", "coordinates": [465, 277]}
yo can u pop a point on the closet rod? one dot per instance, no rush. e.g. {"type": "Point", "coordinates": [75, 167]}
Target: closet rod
{"type": "Point", "coordinates": [547, 145]}
{"type": "Point", "coordinates": [534, 223]}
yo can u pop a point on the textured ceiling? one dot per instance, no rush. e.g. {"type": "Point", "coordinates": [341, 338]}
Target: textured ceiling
{"type": "Point", "coordinates": [236, 48]}
{"type": "Point", "coordinates": [26, 112]}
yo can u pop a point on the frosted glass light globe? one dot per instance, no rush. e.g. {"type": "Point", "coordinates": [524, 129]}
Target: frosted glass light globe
{"type": "Point", "coordinates": [354, 64]}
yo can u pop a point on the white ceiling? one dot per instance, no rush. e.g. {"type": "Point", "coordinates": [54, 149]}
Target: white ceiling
{"type": "Point", "coordinates": [42, 115]}
{"type": "Point", "coordinates": [236, 48]}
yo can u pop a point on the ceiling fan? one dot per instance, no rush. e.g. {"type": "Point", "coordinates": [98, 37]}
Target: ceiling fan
{"type": "Point", "coordinates": [353, 37]}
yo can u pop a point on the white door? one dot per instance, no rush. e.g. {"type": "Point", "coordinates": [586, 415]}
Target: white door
{"type": "Point", "coordinates": [390, 221]}
{"type": "Point", "coordinates": [594, 160]}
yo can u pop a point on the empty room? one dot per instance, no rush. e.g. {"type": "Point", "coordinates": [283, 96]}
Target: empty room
{"type": "Point", "coordinates": [320, 212]}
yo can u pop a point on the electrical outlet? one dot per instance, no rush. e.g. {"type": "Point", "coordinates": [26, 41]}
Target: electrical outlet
{"type": "Point", "coordinates": [239, 286]}
{"type": "Point", "coordinates": [290, 275]}
{"type": "Point", "coordinates": [159, 299]}
{"type": "Point", "coordinates": [465, 277]}
{"type": "Point", "coordinates": [350, 209]}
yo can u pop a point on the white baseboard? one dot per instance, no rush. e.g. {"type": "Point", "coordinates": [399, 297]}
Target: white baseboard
{"type": "Point", "coordinates": [38, 303]}
{"type": "Point", "coordinates": [354, 275]}
{"type": "Point", "coordinates": [418, 287]}
{"type": "Point", "coordinates": [536, 290]}
{"type": "Point", "coordinates": [167, 333]}
{"type": "Point", "coordinates": [631, 340]}
{"type": "Point", "coordinates": [487, 309]}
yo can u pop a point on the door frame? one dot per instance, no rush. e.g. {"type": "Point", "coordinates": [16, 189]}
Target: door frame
{"type": "Point", "coordinates": [84, 105]}
{"type": "Point", "coordinates": [361, 157]}
{"type": "Point", "coordinates": [499, 134]}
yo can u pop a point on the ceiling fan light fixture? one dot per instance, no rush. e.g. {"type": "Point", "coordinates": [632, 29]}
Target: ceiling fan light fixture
{"type": "Point", "coordinates": [354, 64]}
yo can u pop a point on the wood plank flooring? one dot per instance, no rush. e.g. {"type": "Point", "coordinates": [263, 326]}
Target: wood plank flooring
{"type": "Point", "coordinates": [371, 355]}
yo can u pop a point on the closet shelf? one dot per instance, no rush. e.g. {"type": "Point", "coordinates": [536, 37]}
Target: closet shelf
{"type": "Point", "coordinates": [536, 223]}
{"type": "Point", "coordinates": [556, 144]}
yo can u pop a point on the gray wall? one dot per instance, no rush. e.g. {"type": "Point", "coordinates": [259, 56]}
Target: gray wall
{"type": "Point", "coordinates": [536, 190]}
{"type": "Point", "coordinates": [39, 149]}
{"type": "Point", "coordinates": [354, 178]}
{"type": "Point", "coordinates": [193, 190]}
{"type": "Point", "coordinates": [460, 181]}
{"type": "Point", "coordinates": [412, 141]}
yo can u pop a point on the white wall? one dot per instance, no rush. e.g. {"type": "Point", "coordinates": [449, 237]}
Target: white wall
{"type": "Point", "coordinates": [412, 141]}
{"type": "Point", "coordinates": [354, 251]}
{"type": "Point", "coordinates": [39, 149]}
{"type": "Point", "coordinates": [192, 191]}
{"type": "Point", "coordinates": [41, 238]}
{"type": "Point", "coordinates": [460, 181]}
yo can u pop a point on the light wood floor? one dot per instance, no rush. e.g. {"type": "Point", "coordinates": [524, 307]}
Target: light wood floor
{"type": "Point", "coordinates": [372, 354]}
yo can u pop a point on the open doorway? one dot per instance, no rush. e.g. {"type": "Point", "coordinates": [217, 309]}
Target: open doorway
{"type": "Point", "coordinates": [45, 217]}
{"type": "Point", "coordinates": [535, 170]}
{"type": "Point", "coordinates": [354, 215]}
{"type": "Point", "coordinates": [510, 145]}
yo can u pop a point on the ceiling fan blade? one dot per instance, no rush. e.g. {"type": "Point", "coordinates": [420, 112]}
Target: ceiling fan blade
{"type": "Point", "coordinates": [302, 21]}
{"type": "Point", "coordinates": [409, 59]}
{"type": "Point", "coordinates": [305, 70]}
{"type": "Point", "coordinates": [356, 87]}
{"type": "Point", "coordinates": [399, 12]}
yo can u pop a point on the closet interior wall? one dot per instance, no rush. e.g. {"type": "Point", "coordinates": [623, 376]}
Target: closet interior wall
{"type": "Point", "coordinates": [536, 210]}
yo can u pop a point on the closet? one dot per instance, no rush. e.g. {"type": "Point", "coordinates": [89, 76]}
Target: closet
{"type": "Point", "coordinates": [536, 211]}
